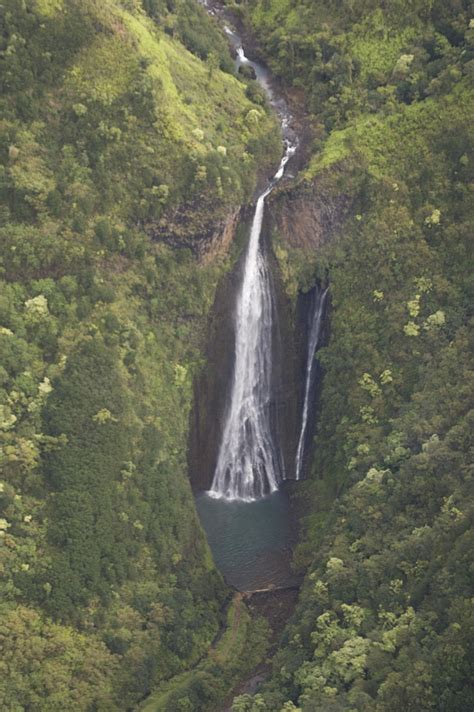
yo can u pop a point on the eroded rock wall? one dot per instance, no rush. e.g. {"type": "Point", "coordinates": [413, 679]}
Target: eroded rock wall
{"type": "Point", "coordinates": [309, 214]}
{"type": "Point", "coordinates": [207, 237]}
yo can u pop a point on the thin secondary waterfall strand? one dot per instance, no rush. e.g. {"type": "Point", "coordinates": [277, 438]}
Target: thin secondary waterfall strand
{"type": "Point", "coordinates": [248, 464]}
{"type": "Point", "coordinates": [313, 341]}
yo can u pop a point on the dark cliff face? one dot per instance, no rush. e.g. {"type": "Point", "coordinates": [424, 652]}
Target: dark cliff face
{"type": "Point", "coordinates": [285, 372]}
{"type": "Point", "coordinates": [212, 386]}
{"type": "Point", "coordinates": [207, 237]}
{"type": "Point", "coordinates": [309, 214]}
{"type": "Point", "coordinates": [305, 306]}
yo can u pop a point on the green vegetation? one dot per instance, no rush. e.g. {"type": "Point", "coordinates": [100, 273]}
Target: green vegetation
{"type": "Point", "coordinates": [364, 58]}
{"type": "Point", "coordinates": [121, 122]}
{"type": "Point", "coordinates": [236, 653]}
{"type": "Point", "coordinates": [384, 622]}
{"type": "Point", "coordinates": [112, 121]}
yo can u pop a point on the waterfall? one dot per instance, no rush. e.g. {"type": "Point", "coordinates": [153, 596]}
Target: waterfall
{"type": "Point", "coordinates": [313, 342]}
{"type": "Point", "coordinates": [249, 462]}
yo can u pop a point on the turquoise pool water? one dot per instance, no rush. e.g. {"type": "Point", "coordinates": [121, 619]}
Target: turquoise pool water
{"type": "Point", "coordinates": [250, 541]}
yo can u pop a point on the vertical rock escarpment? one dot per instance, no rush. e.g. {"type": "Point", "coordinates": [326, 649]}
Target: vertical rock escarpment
{"type": "Point", "coordinates": [314, 330]}
{"type": "Point", "coordinates": [211, 386]}
{"type": "Point", "coordinates": [310, 214]}
{"type": "Point", "coordinates": [312, 326]}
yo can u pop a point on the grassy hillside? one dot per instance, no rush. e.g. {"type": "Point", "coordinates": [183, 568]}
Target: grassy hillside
{"type": "Point", "coordinates": [114, 114]}
{"type": "Point", "coordinates": [384, 621]}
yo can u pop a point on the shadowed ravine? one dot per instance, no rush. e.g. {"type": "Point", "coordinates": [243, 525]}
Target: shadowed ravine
{"type": "Point", "coordinates": [245, 512]}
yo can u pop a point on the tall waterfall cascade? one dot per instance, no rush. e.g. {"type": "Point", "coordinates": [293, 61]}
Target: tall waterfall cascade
{"type": "Point", "coordinates": [313, 343]}
{"type": "Point", "coordinates": [249, 461]}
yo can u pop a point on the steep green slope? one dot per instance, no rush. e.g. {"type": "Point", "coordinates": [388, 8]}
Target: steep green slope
{"type": "Point", "coordinates": [109, 124]}
{"type": "Point", "coordinates": [384, 621]}
{"type": "Point", "coordinates": [234, 655]}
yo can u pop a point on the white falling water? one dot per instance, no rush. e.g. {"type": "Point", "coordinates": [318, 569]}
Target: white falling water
{"type": "Point", "coordinates": [313, 341]}
{"type": "Point", "coordinates": [248, 463]}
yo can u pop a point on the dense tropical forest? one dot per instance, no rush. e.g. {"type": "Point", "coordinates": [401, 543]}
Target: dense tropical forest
{"type": "Point", "coordinates": [114, 116]}
{"type": "Point", "coordinates": [127, 142]}
{"type": "Point", "coordinates": [385, 618]}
